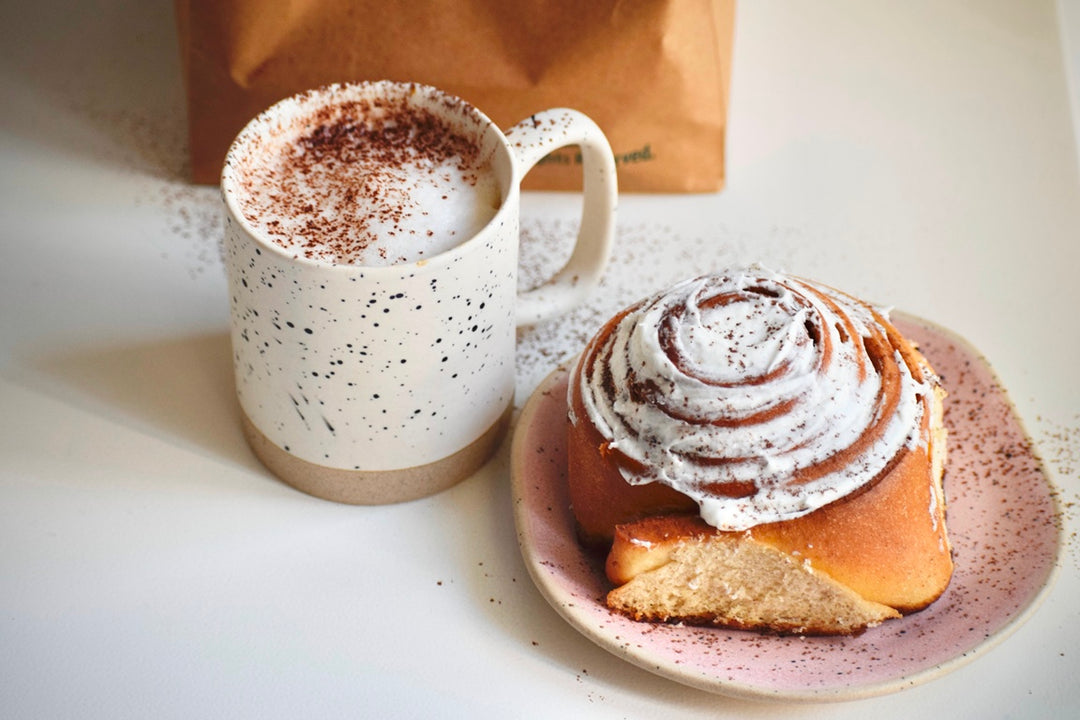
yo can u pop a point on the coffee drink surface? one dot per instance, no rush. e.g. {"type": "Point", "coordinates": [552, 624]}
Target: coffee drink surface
{"type": "Point", "coordinates": [369, 182]}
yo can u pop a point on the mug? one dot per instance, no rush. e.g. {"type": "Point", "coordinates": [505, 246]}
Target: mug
{"type": "Point", "coordinates": [371, 384]}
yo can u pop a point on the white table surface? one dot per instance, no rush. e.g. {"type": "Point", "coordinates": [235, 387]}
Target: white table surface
{"type": "Point", "coordinates": [921, 154]}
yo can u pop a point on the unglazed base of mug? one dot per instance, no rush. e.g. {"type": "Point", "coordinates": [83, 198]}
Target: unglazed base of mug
{"type": "Point", "coordinates": [376, 487]}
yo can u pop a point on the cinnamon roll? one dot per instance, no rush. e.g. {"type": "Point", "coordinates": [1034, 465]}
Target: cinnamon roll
{"type": "Point", "coordinates": [784, 416]}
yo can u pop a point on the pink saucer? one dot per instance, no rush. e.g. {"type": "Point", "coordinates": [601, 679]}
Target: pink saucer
{"type": "Point", "coordinates": [1003, 521]}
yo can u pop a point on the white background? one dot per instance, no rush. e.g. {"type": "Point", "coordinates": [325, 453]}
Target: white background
{"type": "Point", "coordinates": [921, 154]}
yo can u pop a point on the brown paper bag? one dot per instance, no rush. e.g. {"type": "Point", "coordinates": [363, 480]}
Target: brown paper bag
{"type": "Point", "coordinates": [653, 74]}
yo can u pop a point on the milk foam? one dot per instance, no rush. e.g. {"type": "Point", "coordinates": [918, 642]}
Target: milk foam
{"type": "Point", "coordinates": [372, 183]}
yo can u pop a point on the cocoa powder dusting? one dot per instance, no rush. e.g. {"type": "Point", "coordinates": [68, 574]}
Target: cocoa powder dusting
{"type": "Point", "coordinates": [353, 179]}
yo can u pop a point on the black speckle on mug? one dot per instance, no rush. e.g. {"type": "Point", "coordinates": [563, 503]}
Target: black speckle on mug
{"type": "Point", "coordinates": [361, 384]}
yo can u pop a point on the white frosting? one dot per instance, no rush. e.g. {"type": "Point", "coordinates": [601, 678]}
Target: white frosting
{"type": "Point", "coordinates": [754, 380]}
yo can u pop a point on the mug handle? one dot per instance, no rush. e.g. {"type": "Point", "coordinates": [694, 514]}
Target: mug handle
{"type": "Point", "coordinates": [531, 140]}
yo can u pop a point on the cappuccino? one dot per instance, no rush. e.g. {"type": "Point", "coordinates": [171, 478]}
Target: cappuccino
{"type": "Point", "coordinates": [369, 181]}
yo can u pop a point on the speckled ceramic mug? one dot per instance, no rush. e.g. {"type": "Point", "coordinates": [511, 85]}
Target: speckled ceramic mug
{"type": "Point", "coordinates": [371, 385]}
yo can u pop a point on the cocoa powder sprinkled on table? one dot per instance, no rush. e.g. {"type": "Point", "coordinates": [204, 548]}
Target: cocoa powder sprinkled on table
{"type": "Point", "coordinates": [1060, 450]}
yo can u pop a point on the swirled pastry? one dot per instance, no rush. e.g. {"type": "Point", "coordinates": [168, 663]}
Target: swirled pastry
{"type": "Point", "coordinates": [797, 428]}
